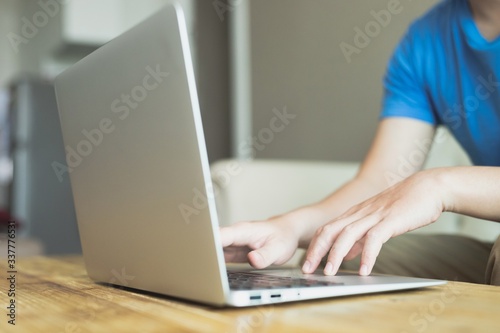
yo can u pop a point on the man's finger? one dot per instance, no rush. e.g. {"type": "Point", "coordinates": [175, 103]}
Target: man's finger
{"type": "Point", "coordinates": [355, 250]}
{"type": "Point", "coordinates": [239, 234]}
{"type": "Point", "coordinates": [346, 240]}
{"type": "Point", "coordinates": [374, 240]}
{"type": "Point", "coordinates": [269, 254]}
{"type": "Point", "coordinates": [319, 247]}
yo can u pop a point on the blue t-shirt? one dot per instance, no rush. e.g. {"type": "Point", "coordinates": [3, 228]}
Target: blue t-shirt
{"type": "Point", "coordinates": [445, 72]}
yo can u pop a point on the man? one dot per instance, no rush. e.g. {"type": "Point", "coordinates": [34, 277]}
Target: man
{"type": "Point", "coordinates": [445, 71]}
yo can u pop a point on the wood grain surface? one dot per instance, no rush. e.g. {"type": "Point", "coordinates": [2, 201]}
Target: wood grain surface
{"type": "Point", "coordinates": [54, 294]}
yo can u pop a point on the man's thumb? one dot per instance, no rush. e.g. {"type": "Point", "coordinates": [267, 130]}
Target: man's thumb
{"type": "Point", "coordinates": [264, 256]}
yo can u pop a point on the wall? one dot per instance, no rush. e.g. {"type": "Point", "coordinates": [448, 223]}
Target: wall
{"type": "Point", "coordinates": [8, 23]}
{"type": "Point", "coordinates": [297, 62]}
{"type": "Point", "coordinates": [212, 76]}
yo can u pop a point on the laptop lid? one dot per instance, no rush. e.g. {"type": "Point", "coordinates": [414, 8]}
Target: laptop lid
{"type": "Point", "coordinates": [138, 164]}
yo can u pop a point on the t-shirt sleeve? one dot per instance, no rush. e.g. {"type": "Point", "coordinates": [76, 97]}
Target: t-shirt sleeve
{"type": "Point", "coordinates": [404, 91]}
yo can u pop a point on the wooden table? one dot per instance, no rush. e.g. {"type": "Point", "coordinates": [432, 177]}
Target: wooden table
{"type": "Point", "coordinates": [55, 295]}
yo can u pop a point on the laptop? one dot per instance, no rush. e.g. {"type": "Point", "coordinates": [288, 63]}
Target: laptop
{"type": "Point", "coordinates": [136, 157]}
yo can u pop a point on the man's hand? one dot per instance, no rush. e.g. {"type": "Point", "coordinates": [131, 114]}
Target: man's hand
{"type": "Point", "coordinates": [261, 243]}
{"type": "Point", "coordinates": [408, 205]}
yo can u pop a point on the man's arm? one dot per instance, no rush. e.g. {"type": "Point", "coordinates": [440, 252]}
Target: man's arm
{"type": "Point", "coordinates": [274, 241]}
{"type": "Point", "coordinates": [413, 203]}
{"type": "Point", "coordinates": [473, 191]}
{"type": "Point", "coordinates": [396, 140]}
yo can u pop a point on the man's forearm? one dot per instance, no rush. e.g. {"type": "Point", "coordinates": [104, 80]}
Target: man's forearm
{"type": "Point", "coordinates": [473, 191]}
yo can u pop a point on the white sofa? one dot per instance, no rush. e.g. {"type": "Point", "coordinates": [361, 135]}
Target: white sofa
{"type": "Point", "coordinates": [258, 189]}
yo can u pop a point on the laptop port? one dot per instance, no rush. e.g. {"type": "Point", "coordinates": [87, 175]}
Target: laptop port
{"type": "Point", "coordinates": [256, 297]}
{"type": "Point", "coordinates": [276, 296]}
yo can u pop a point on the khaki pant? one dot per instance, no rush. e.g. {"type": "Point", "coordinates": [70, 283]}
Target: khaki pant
{"type": "Point", "coordinates": [445, 257]}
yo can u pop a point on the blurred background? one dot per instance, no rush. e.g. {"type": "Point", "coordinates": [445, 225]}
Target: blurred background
{"type": "Point", "coordinates": [321, 61]}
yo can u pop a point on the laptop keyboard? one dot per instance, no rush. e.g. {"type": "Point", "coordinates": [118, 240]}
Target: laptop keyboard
{"type": "Point", "coordinates": [252, 281]}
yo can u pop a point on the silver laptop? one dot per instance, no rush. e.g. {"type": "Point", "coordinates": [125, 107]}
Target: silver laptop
{"type": "Point", "coordinates": [136, 156]}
